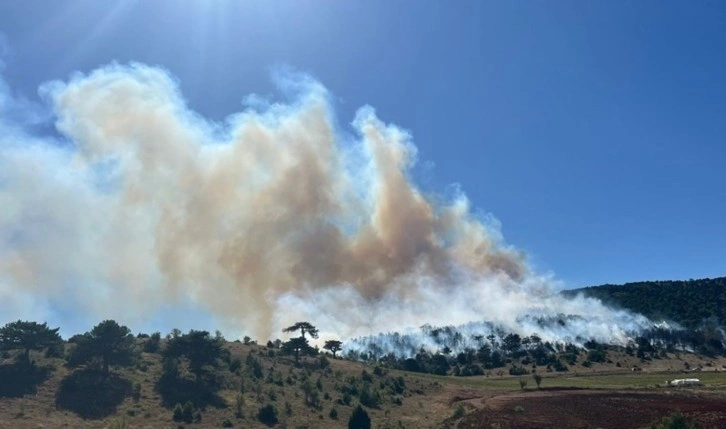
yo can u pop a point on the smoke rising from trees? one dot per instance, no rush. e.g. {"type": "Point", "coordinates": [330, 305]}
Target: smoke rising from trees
{"type": "Point", "coordinates": [277, 214]}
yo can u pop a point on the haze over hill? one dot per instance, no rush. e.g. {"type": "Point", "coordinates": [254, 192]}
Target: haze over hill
{"type": "Point", "coordinates": [276, 215]}
{"type": "Point", "coordinates": [685, 315]}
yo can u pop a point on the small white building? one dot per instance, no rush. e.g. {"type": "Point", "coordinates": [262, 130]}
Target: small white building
{"type": "Point", "coordinates": [684, 382]}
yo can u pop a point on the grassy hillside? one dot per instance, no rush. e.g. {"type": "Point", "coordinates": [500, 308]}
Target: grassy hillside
{"type": "Point", "coordinates": [688, 303]}
{"type": "Point", "coordinates": [316, 392]}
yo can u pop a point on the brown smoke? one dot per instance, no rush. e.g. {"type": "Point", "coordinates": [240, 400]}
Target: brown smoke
{"type": "Point", "coordinates": [157, 205]}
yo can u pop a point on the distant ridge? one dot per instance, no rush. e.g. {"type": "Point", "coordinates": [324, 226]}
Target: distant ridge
{"type": "Point", "coordinates": [689, 302]}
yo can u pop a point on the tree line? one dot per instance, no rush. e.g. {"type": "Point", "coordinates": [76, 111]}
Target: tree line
{"type": "Point", "coordinates": [690, 303]}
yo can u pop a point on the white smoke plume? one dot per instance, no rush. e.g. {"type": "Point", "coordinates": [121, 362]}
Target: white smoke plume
{"type": "Point", "coordinates": [143, 211]}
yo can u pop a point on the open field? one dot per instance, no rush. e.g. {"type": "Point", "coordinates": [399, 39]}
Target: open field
{"type": "Point", "coordinates": [710, 380]}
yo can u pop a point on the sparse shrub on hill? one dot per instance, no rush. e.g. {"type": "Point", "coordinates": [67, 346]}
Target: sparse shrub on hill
{"type": "Point", "coordinates": [178, 413]}
{"type": "Point", "coordinates": [136, 394]}
{"type": "Point", "coordinates": [517, 370]}
{"type": "Point", "coordinates": [459, 412]}
{"type": "Point", "coordinates": [186, 413]}
{"type": "Point", "coordinates": [268, 415]}
{"type": "Point", "coordinates": [597, 355]}
{"type": "Point", "coordinates": [152, 344]}
{"type": "Point", "coordinates": [346, 399]}
{"type": "Point", "coordinates": [558, 366]}
{"type": "Point", "coordinates": [324, 362]}
{"type": "Point", "coordinates": [311, 395]}
{"type": "Point", "coordinates": [239, 405]}
{"type": "Point", "coordinates": [119, 424]}
{"type": "Point", "coordinates": [55, 351]}
{"type": "Point", "coordinates": [235, 365]}
{"type": "Point", "coordinates": [359, 419]}
{"type": "Point", "coordinates": [370, 397]}
{"type": "Point", "coordinates": [254, 367]}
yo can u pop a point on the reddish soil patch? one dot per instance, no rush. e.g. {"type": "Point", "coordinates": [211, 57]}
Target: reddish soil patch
{"type": "Point", "coordinates": [590, 409]}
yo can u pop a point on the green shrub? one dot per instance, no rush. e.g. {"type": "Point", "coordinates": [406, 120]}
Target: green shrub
{"type": "Point", "coordinates": [517, 370]}
{"type": "Point", "coordinates": [178, 414]}
{"type": "Point", "coordinates": [119, 424]}
{"type": "Point", "coordinates": [268, 415]}
{"type": "Point", "coordinates": [359, 419]}
{"type": "Point", "coordinates": [235, 364]}
{"type": "Point", "coordinates": [239, 405]}
{"type": "Point", "coordinates": [227, 423]}
{"type": "Point", "coordinates": [459, 412]}
{"type": "Point", "coordinates": [324, 362]}
{"type": "Point", "coordinates": [136, 393]}
{"type": "Point", "coordinates": [188, 412]}
{"type": "Point", "coordinates": [596, 355]}
{"type": "Point", "coordinates": [152, 344]}
{"type": "Point", "coordinates": [333, 413]}
{"type": "Point", "coordinates": [54, 351]}
{"type": "Point", "coordinates": [370, 398]}
{"type": "Point", "coordinates": [675, 421]}
{"type": "Point", "coordinates": [537, 379]}
{"type": "Point", "coordinates": [558, 366]}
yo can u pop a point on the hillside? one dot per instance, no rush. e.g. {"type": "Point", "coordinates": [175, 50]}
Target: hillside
{"type": "Point", "coordinates": [110, 378]}
{"type": "Point", "coordinates": [688, 303]}
{"type": "Point", "coordinates": [304, 395]}
{"type": "Point", "coordinates": [316, 393]}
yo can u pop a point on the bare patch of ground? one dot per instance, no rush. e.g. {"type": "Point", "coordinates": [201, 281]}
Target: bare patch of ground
{"type": "Point", "coordinates": [590, 409]}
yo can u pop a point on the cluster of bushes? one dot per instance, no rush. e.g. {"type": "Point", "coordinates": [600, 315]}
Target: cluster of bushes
{"type": "Point", "coordinates": [186, 413]}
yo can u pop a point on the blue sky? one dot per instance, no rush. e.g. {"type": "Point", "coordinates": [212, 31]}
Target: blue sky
{"type": "Point", "coordinates": [594, 131]}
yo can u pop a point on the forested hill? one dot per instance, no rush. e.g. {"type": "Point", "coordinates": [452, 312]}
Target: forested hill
{"type": "Point", "coordinates": [685, 302]}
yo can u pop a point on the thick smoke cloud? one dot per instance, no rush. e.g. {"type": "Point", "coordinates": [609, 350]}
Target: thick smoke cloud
{"type": "Point", "coordinates": [140, 206]}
